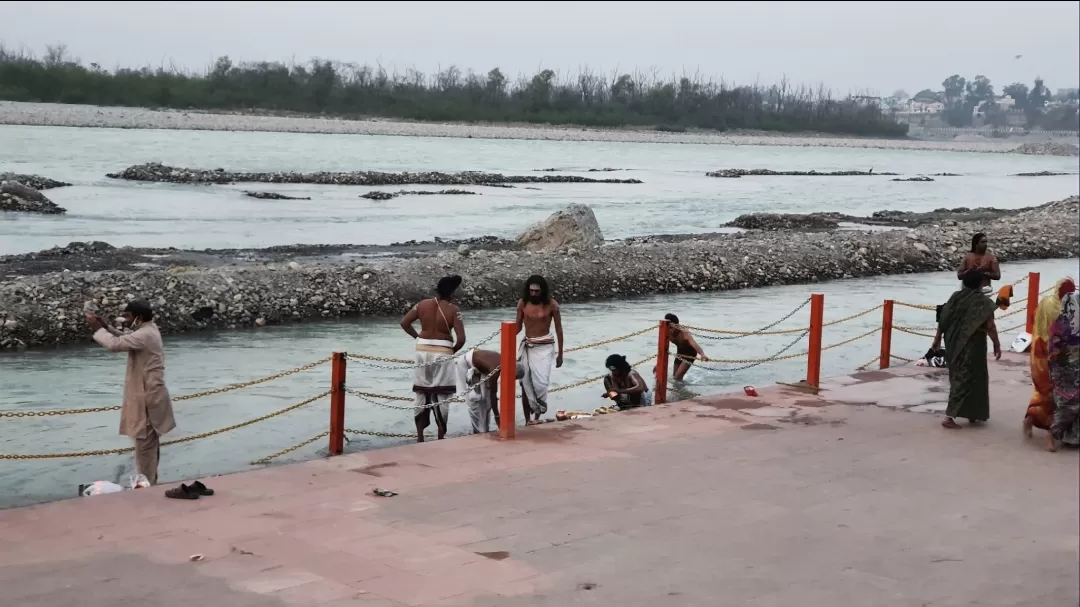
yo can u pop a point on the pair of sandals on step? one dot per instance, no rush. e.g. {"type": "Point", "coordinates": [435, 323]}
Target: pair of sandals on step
{"type": "Point", "coordinates": [189, 492]}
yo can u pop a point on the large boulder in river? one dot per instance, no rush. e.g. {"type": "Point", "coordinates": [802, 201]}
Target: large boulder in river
{"type": "Point", "coordinates": [574, 226]}
{"type": "Point", "coordinates": [15, 196]}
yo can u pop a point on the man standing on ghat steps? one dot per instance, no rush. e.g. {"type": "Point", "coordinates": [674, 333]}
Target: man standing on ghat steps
{"type": "Point", "coordinates": [434, 378]}
{"type": "Point", "coordinates": [536, 311]}
{"type": "Point", "coordinates": [147, 411]}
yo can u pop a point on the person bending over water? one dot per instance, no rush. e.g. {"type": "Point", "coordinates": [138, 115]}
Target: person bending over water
{"type": "Point", "coordinates": [966, 321]}
{"type": "Point", "coordinates": [624, 385]}
{"type": "Point", "coordinates": [434, 379]}
{"type": "Point", "coordinates": [481, 396]}
{"type": "Point", "coordinates": [536, 312]}
{"type": "Point", "coordinates": [687, 349]}
{"type": "Point", "coordinates": [979, 258]}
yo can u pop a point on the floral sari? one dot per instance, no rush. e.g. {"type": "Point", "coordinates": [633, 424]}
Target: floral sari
{"type": "Point", "coordinates": [1065, 371]}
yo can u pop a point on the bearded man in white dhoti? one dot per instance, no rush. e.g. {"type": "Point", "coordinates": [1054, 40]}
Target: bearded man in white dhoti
{"type": "Point", "coordinates": [478, 379]}
{"type": "Point", "coordinates": [434, 378]}
{"type": "Point", "coordinates": [540, 349]}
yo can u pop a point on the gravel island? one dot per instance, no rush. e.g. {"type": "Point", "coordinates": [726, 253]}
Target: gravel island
{"type": "Point", "coordinates": [42, 295]}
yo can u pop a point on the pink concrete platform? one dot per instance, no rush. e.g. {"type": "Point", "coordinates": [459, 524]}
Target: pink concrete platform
{"type": "Point", "coordinates": [855, 496]}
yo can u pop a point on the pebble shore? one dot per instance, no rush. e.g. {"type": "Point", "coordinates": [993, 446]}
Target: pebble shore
{"type": "Point", "coordinates": [48, 308]}
{"type": "Point", "coordinates": [48, 114]}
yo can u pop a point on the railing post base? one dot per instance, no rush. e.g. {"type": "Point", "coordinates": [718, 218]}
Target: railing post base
{"type": "Point", "coordinates": [813, 364]}
{"type": "Point", "coordinates": [337, 403]}
{"type": "Point", "coordinates": [1032, 301]}
{"type": "Point", "coordinates": [508, 381]}
{"type": "Point", "coordinates": [662, 354]}
{"type": "Point", "coordinates": [886, 334]}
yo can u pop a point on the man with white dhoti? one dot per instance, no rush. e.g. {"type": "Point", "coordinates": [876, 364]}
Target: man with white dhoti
{"type": "Point", "coordinates": [478, 379]}
{"type": "Point", "coordinates": [147, 411]}
{"type": "Point", "coordinates": [434, 378]}
{"type": "Point", "coordinates": [540, 349]}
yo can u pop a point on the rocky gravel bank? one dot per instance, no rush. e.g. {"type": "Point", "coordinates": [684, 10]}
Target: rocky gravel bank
{"type": "Point", "coordinates": [157, 172]}
{"type": "Point", "coordinates": [380, 195]}
{"type": "Point", "coordinates": [737, 173]}
{"type": "Point", "coordinates": [91, 116]}
{"type": "Point", "coordinates": [1049, 148]}
{"type": "Point", "coordinates": [34, 181]}
{"type": "Point", "coordinates": [274, 196]}
{"type": "Point", "coordinates": [48, 308]}
{"type": "Point", "coordinates": [18, 197]}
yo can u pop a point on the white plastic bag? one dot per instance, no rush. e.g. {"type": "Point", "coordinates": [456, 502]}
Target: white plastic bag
{"type": "Point", "coordinates": [101, 488]}
{"type": "Point", "coordinates": [1021, 343]}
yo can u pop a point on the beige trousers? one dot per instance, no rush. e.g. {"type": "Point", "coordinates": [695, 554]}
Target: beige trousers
{"type": "Point", "coordinates": [147, 453]}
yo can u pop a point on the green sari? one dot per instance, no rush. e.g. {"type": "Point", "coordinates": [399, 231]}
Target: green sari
{"type": "Point", "coordinates": [963, 325]}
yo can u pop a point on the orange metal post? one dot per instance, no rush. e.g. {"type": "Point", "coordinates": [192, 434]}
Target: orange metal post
{"type": "Point", "coordinates": [886, 334]}
{"type": "Point", "coordinates": [508, 381]}
{"type": "Point", "coordinates": [1033, 300]}
{"type": "Point", "coordinates": [813, 365]}
{"type": "Point", "coordinates": [662, 364]}
{"type": "Point", "coordinates": [337, 403]}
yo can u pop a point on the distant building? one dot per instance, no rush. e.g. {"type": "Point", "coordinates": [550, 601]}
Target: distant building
{"type": "Point", "coordinates": [925, 106]}
{"type": "Point", "coordinates": [1005, 103]}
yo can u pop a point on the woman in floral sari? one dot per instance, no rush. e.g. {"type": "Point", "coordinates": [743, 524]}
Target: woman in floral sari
{"type": "Point", "coordinates": [966, 321]}
{"type": "Point", "coordinates": [1040, 411]}
{"type": "Point", "coordinates": [1065, 372]}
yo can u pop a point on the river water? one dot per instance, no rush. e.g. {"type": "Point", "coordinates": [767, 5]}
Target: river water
{"type": "Point", "coordinates": [676, 196]}
{"type": "Point", "coordinates": [87, 376]}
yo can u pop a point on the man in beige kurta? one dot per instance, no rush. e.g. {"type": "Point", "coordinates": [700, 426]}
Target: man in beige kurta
{"type": "Point", "coordinates": [147, 410]}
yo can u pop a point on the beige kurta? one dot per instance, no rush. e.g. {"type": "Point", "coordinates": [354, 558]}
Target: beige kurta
{"type": "Point", "coordinates": [145, 397]}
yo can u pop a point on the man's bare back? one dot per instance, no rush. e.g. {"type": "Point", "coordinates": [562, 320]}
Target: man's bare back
{"type": "Point", "coordinates": [437, 317]}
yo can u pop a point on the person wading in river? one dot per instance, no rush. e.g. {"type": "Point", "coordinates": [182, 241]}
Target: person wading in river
{"type": "Point", "coordinates": [687, 349]}
{"type": "Point", "coordinates": [979, 258]}
{"type": "Point", "coordinates": [536, 311]}
{"type": "Point", "coordinates": [434, 376]}
{"type": "Point", "coordinates": [147, 412]}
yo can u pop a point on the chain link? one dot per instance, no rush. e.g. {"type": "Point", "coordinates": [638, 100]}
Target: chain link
{"type": "Point", "coordinates": [57, 412]}
{"type": "Point", "coordinates": [866, 364]}
{"type": "Point", "coordinates": [378, 434]}
{"type": "Point", "coordinates": [368, 360]}
{"type": "Point", "coordinates": [905, 304]}
{"type": "Point", "coordinates": [750, 363]}
{"type": "Point", "coordinates": [267, 459]}
{"type": "Point", "coordinates": [185, 439]}
{"type": "Point", "coordinates": [762, 331]}
{"type": "Point", "coordinates": [611, 340]}
{"type": "Point", "coordinates": [229, 388]}
{"type": "Point", "coordinates": [914, 331]}
{"type": "Point", "coordinates": [922, 307]}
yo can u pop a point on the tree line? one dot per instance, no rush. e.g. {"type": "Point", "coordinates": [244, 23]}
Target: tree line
{"type": "Point", "coordinates": [963, 98]}
{"type": "Point", "coordinates": [346, 89]}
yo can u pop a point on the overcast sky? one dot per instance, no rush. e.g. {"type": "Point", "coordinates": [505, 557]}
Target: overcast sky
{"type": "Point", "coordinates": [849, 46]}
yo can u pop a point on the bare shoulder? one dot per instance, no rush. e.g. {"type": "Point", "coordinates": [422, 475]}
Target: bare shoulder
{"type": "Point", "coordinates": [554, 305]}
{"type": "Point", "coordinates": [520, 304]}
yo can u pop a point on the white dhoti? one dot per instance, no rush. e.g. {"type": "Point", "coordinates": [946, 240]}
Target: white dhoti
{"type": "Point", "coordinates": [537, 356]}
{"type": "Point", "coordinates": [477, 394]}
{"type": "Point", "coordinates": [433, 381]}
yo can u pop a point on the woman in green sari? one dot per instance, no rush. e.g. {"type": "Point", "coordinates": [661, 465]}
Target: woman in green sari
{"type": "Point", "coordinates": [966, 321]}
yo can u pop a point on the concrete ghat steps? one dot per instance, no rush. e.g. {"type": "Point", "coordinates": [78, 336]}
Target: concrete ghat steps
{"type": "Point", "coordinates": [849, 497]}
